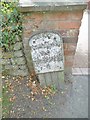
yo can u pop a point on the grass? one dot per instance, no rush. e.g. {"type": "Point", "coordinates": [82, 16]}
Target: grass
{"type": "Point", "coordinates": [5, 102]}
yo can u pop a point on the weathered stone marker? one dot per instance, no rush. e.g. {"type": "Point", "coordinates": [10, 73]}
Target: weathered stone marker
{"type": "Point", "coordinates": [48, 58]}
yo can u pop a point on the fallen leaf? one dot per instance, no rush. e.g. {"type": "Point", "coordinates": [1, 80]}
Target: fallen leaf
{"type": "Point", "coordinates": [14, 97]}
{"type": "Point", "coordinates": [3, 77]}
{"type": "Point", "coordinates": [32, 93]}
{"type": "Point", "coordinates": [10, 100]}
{"type": "Point", "coordinates": [44, 109]}
{"type": "Point", "coordinates": [32, 99]}
{"type": "Point", "coordinates": [47, 97]}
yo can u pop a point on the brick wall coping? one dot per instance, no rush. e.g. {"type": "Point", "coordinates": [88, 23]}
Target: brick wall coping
{"type": "Point", "coordinates": [54, 7]}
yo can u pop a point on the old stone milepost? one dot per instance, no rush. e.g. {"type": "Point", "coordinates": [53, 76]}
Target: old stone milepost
{"type": "Point", "coordinates": [48, 58]}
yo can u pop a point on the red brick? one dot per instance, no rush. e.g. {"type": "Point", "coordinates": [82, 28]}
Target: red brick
{"type": "Point", "coordinates": [45, 25]}
{"type": "Point", "coordinates": [66, 52]}
{"type": "Point", "coordinates": [32, 24]}
{"type": "Point", "coordinates": [69, 33]}
{"type": "Point", "coordinates": [72, 46]}
{"type": "Point", "coordinates": [68, 64]}
{"type": "Point", "coordinates": [68, 24]}
{"type": "Point", "coordinates": [76, 15]}
{"type": "Point", "coordinates": [69, 50]}
{"type": "Point", "coordinates": [66, 15]}
{"type": "Point", "coordinates": [70, 39]}
{"type": "Point", "coordinates": [33, 16]}
{"type": "Point", "coordinates": [57, 16]}
{"type": "Point", "coordinates": [49, 25]}
{"type": "Point", "coordinates": [65, 45]}
{"type": "Point", "coordinates": [69, 58]}
{"type": "Point", "coordinates": [27, 23]}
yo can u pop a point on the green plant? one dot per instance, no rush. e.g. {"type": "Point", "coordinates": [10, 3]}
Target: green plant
{"type": "Point", "coordinates": [5, 102]}
{"type": "Point", "coordinates": [53, 88]}
{"type": "Point", "coordinates": [11, 24]}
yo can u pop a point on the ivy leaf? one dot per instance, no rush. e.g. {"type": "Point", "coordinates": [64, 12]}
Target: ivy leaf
{"type": "Point", "coordinates": [11, 24]}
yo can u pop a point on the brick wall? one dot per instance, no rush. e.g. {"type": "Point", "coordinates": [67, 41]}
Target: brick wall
{"type": "Point", "coordinates": [67, 23]}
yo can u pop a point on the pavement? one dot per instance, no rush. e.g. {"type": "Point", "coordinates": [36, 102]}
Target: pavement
{"type": "Point", "coordinates": [81, 64]}
{"type": "Point", "coordinates": [70, 103]}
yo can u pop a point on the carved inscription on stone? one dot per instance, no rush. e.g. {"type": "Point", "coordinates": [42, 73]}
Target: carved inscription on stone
{"type": "Point", "coordinates": [47, 52]}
